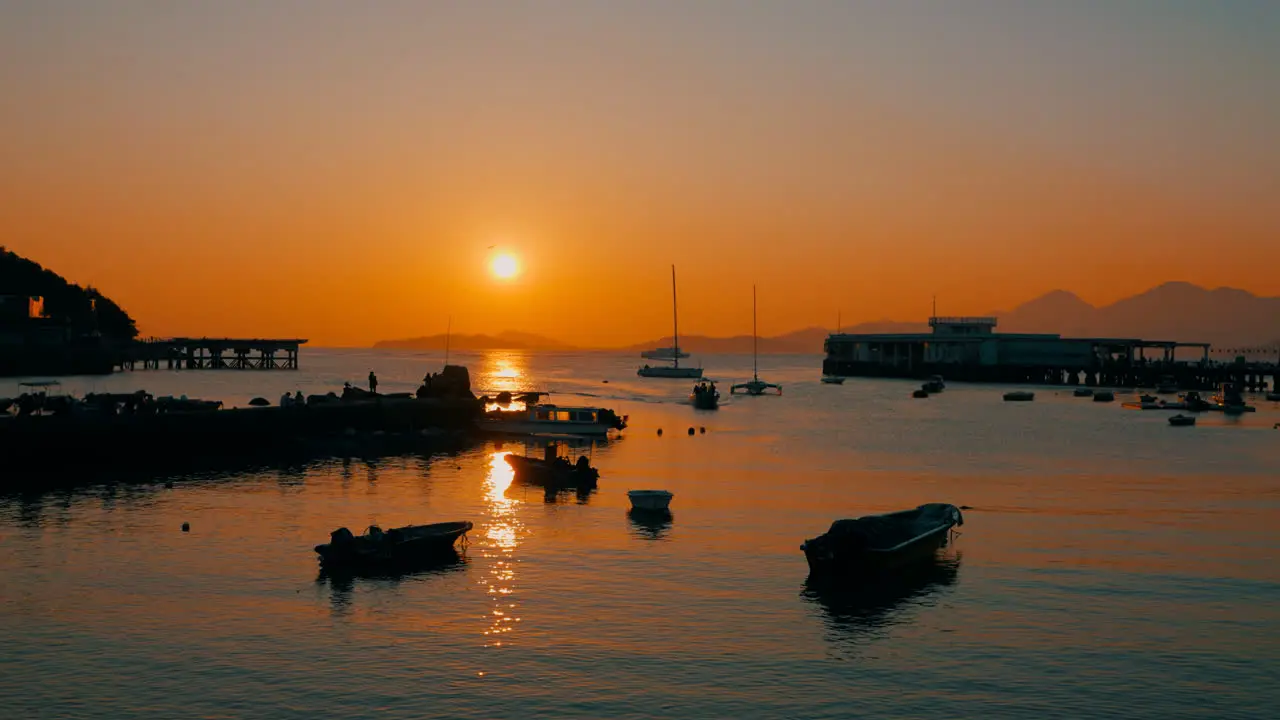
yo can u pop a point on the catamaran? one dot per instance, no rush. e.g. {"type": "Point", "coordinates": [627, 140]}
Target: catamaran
{"type": "Point", "coordinates": [755, 386]}
{"type": "Point", "coordinates": [672, 353]}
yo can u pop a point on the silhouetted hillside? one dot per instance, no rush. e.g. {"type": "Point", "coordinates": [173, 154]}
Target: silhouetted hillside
{"type": "Point", "coordinates": [1224, 317]}
{"type": "Point", "coordinates": [63, 300]}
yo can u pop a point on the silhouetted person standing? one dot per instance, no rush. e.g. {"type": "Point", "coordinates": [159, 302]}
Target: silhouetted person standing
{"type": "Point", "coordinates": [373, 382]}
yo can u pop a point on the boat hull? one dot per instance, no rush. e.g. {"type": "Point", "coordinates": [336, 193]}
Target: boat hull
{"type": "Point", "coordinates": [533, 471]}
{"type": "Point", "coordinates": [881, 542]}
{"type": "Point", "coordinates": [829, 380]}
{"type": "Point", "coordinates": [670, 372]}
{"type": "Point", "coordinates": [704, 401]}
{"type": "Point", "coordinates": [398, 546]}
{"type": "Point", "coordinates": [650, 500]}
{"type": "Point", "coordinates": [533, 427]}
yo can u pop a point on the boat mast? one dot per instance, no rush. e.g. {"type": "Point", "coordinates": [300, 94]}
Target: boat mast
{"type": "Point", "coordinates": [675, 321]}
{"type": "Point", "coordinates": [755, 373]}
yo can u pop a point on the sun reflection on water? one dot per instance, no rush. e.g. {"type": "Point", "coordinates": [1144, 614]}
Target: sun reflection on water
{"type": "Point", "coordinates": [503, 534]}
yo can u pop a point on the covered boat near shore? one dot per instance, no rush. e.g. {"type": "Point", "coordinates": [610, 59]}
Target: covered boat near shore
{"type": "Point", "coordinates": [881, 542]}
{"type": "Point", "coordinates": [402, 545]}
{"type": "Point", "coordinates": [553, 471]}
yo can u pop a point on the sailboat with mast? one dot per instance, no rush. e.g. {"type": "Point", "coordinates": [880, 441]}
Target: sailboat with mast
{"type": "Point", "coordinates": [755, 386]}
{"type": "Point", "coordinates": [673, 353]}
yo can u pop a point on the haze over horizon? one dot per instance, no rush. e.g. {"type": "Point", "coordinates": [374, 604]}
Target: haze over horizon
{"type": "Point", "coordinates": [340, 172]}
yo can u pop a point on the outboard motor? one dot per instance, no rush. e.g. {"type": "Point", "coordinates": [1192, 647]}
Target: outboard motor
{"type": "Point", "coordinates": [583, 463]}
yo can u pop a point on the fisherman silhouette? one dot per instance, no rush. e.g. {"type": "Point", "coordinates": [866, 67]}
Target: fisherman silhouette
{"type": "Point", "coordinates": [373, 382]}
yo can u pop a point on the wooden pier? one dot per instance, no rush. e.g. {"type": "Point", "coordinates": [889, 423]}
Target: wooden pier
{"type": "Point", "coordinates": [212, 354]}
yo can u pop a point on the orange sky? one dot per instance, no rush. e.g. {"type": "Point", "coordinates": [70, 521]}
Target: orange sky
{"type": "Point", "coordinates": [337, 172]}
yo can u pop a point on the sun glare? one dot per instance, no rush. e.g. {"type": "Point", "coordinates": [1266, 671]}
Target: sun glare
{"type": "Point", "coordinates": [504, 266]}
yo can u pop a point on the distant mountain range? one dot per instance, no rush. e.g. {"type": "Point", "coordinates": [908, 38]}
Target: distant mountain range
{"type": "Point", "coordinates": [1225, 317]}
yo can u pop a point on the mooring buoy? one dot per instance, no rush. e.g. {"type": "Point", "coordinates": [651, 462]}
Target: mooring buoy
{"type": "Point", "coordinates": [186, 527]}
{"type": "Point", "coordinates": [659, 432]}
{"type": "Point", "coordinates": [690, 431]}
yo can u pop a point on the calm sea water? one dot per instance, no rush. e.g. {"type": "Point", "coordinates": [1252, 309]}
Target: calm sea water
{"type": "Point", "coordinates": [1110, 565]}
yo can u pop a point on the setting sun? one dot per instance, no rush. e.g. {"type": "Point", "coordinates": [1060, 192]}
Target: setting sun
{"type": "Point", "coordinates": [504, 266]}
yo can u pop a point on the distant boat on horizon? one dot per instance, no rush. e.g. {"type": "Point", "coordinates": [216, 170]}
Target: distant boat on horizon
{"type": "Point", "coordinates": [666, 353]}
{"type": "Point", "coordinates": [673, 353]}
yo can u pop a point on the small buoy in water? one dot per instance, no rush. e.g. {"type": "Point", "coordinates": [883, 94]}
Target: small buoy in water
{"type": "Point", "coordinates": [186, 527]}
{"type": "Point", "coordinates": [702, 430]}
{"type": "Point", "coordinates": [659, 432]}
{"type": "Point", "coordinates": [606, 382]}
{"type": "Point", "coordinates": [690, 431]}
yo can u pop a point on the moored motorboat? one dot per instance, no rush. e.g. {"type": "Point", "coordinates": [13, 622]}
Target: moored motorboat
{"type": "Point", "coordinates": [832, 380]}
{"type": "Point", "coordinates": [1104, 396]}
{"type": "Point", "coordinates": [650, 500]}
{"type": "Point", "coordinates": [1148, 398]}
{"type": "Point", "coordinates": [880, 542]}
{"type": "Point", "coordinates": [705, 396]}
{"type": "Point", "coordinates": [934, 385]}
{"type": "Point", "coordinates": [1083, 392]}
{"type": "Point", "coordinates": [553, 471]}
{"type": "Point", "coordinates": [397, 545]}
{"type": "Point", "coordinates": [1273, 397]}
{"type": "Point", "coordinates": [1019, 396]}
{"type": "Point", "coordinates": [539, 419]}
{"type": "Point", "coordinates": [919, 394]}
{"type": "Point", "coordinates": [1182, 420]}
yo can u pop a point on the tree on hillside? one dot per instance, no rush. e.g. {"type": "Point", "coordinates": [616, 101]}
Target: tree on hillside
{"type": "Point", "coordinates": [86, 309]}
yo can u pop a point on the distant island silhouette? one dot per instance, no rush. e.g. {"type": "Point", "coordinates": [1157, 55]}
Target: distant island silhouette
{"type": "Point", "coordinates": [1224, 317]}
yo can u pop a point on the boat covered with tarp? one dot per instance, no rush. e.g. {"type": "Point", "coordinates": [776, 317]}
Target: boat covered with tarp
{"type": "Point", "coordinates": [553, 470]}
{"type": "Point", "coordinates": [881, 542]}
{"type": "Point", "coordinates": [402, 545]}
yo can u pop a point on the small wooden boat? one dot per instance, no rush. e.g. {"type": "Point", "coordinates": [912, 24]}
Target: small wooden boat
{"type": "Point", "coordinates": [1104, 396]}
{"type": "Point", "coordinates": [1194, 402]}
{"type": "Point", "coordinates": [397, 545]}
{"type": "Point", "coordinates": [1083, 392]}
{"type": "Point", "coordinates": [921, 393]}
{"type": "Point", "coordinates": [934, 385]}
{"type": "Point", "coordinates": [832, 380]}
{"type": "Point", "coordinates": [1182, 420]}
{"type": "Point", "coordinates": [881, 542]}
{"type": "Point", "coordinates": [553, 471]}
{"type": "Point", "coordinates": [1019, 396]}
{"type": "Point", "coordinates": [704, 396]}
{"type": "Point", "coordinates": [651, 500]}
